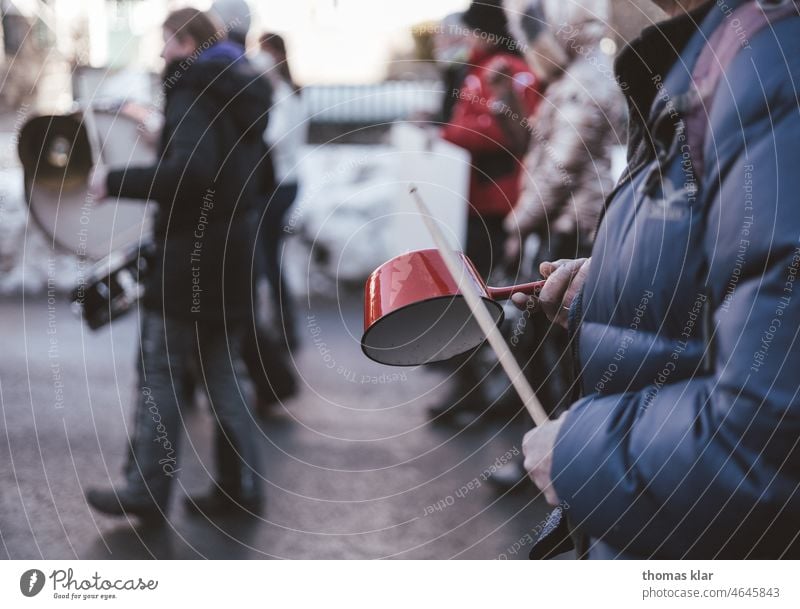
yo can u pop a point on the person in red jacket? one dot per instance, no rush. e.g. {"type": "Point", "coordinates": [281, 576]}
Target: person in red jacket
{"type": "Point", "coordinates": [490, 120]}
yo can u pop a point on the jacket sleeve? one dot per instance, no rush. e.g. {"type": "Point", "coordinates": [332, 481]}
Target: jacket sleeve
{"type": "Point", "coordinates": [711, 464]}
{"type": "Point", "coordinates": [187, 168]}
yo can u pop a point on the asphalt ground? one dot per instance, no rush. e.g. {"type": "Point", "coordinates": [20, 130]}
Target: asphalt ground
{"type": "Point", "coordinates": [351, 465]}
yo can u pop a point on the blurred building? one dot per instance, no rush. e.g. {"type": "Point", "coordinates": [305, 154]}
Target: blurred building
{"type": "Point", "coordinates": [45, 40]}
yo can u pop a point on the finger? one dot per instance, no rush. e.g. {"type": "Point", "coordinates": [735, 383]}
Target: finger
{"type": "Point", "coordinates": [570, 293]}
{"type": "Point", "coordinates": [527, 437]}
{"type": "Point", "coordinates": [555, 297]}
{"type": "Point", "coordinates": [552, 294]}
{"type": "Point", "coordinates": [575, 284]}
{"type": "Point", "coordinates": [550, 495]}
{"type": "Point", "coordinates": [542, 482]}
{"type": "Point", "coordinates": [531, 471]}
{"type": "Point", "coordinates": [523, 301]}
{"type": "Point", "coordinates": [546, 268]}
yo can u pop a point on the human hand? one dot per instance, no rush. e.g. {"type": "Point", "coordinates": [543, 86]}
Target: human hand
{"type": "Point", "coordinates": [564, 280]}
{"type": "Point", "coordinates": [150, 121]}
{"type": "Point", "coordinates": [537, 446]}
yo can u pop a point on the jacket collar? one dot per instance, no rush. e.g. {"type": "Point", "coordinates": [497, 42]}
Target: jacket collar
{"type": "Point", "coordinates": [224, 50]}
{"type": "Point", "coordinates": [648, 61]}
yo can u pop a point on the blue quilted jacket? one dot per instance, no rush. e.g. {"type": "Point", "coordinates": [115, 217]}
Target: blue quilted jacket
{"type": "Point", "coordinates": [685, 444]}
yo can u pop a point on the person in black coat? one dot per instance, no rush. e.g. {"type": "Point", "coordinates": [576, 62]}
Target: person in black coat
{"type": "Point", "coordinates": [197, 301]}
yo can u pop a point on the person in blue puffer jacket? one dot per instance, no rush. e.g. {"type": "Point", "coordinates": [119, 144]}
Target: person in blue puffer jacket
{"type": "Point", "coordinates": [684, 322]}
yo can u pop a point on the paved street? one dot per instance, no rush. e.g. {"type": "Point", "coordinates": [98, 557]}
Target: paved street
{"type": "Point", "coordinates": [351, 466]}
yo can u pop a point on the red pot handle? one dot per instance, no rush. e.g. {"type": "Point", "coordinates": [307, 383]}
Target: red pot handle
{"type": "Point", "coordinates": [531, 289]}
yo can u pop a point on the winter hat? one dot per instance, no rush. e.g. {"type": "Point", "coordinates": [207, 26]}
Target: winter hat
{"type": "Point", "coordinates": [487, 16]}
{"type": "Point", "coordinates": [526, 19]}
{"type": "Point", "coordinates": [235, 17]}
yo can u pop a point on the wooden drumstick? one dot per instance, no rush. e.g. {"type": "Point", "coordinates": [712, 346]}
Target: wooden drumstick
{"type": "Point", "coordinates": [92, 133]}
{"type": "Point", "coordinates": [482, 315]}
{"type": "Point", "coordinates": [95, 146]}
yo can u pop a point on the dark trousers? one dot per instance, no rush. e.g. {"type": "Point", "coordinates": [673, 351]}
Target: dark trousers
{"type": "Point", "coordinates": [168, 347]}
{"type": "Point", "coordinates": [271, 244]}
{"type": "Point", "coordinates": [266, 349]}
{"type": "Point", "coordinates": [485, 240]}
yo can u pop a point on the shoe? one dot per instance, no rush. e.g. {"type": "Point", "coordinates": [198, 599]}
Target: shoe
{"type": "Point", "coordinates": [217, 503]}
{"type": "Point", "coordinates": [121, 502]}
{"type": "Point", "coordinates": [268, 404]}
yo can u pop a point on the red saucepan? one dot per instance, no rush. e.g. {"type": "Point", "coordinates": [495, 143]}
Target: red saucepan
{"type": "Point", "coordinates": [414, 313]}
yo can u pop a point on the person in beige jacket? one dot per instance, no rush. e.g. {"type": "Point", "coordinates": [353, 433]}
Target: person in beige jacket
{"type": "Point", "coordinates": [567, 170]}
{"type": "Point", "coordinates": [568, 166]}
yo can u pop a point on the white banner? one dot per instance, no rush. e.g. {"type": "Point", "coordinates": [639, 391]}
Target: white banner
{"type": "Point", "coordinates": [409, 584]}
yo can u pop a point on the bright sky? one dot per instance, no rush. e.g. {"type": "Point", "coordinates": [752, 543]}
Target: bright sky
{"type": "Point", "coordinates": [341, 41]}
{"type": "Point", "coordinates": [346, 40]}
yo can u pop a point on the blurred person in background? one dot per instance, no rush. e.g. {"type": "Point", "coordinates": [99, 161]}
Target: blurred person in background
{"type": "Point", "coordinates": [284, 137]}
{"type": "Point", "coordinates": [498, 92]}
{"type": "Point", "coordinates": [450, 50]}
{"type": "Point", "coordinates": [497, 81]}
{"type": "Point", "coordinates": [197, 298]}
{"type": "Point", "coordinates": [235, 16]}
{"type": "Point", "coordinates": [270, 331]}
{"type": "Point", "coordinates": [567, 168]}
